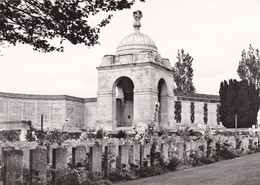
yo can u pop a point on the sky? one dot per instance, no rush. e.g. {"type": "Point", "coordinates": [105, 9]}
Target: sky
{"type": "Point", "coordinates": [213, 32]}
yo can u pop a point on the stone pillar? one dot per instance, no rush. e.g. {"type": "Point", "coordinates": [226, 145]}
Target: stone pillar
{"type": "Point", "coordinates": [212, 114]}
{"type": "Point", "coordinates": [105, 109]}
{"type": "Point", "coordinates": [78, 156]}
{"type": "Point", "coordinates": [96, 158]}
{"type": "Point", "coordinates": [59, 162]}
{"type": "Point", "coordinates": [13, 167]}
{"type": "Point", "coordinates": [38, 165]}
{"type": "Point", "coordinates": [4, 148]}
{"type": "Point", "coordinates": [185, 113]}
{"type": "Point", "coordinates": [144, 106]}
{"type": "Point", "coordinates": [199, 113]}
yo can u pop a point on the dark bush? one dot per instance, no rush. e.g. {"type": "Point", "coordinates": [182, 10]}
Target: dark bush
{"type": "Point", "coordinates": [99, 134]}
{"type": "Point", "coordinates": [121, 134]}
{"type": "Point", "coordinates": [173, 164]}
{"type": "Point", "coordinates": [149, 171]}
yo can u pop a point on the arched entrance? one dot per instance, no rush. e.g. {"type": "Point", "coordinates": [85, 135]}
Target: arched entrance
{"type": "Point", "coordinates": [124, 103]}
{"type": "Point", "coordinates": [162, 99]}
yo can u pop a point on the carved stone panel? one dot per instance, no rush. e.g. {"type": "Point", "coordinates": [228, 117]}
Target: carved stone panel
{"type": "Point", "coordinates": [43, 109]}
{"type": "Point", "coordinates": [3, 110]}
{"type": "Point", "coordinates": [14, 111]}
{"type": "Point", "coordinates": [29, 111]}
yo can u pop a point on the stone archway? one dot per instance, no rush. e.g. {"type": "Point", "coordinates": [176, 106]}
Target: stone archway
{"type": "Point", "coordinates": [123, 91]}
{"type": "Point", "coordinates": [162, 99]}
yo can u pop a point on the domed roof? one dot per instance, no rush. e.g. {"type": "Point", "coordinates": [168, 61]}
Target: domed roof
{"type": "Point", "coordinates": [136, 42]}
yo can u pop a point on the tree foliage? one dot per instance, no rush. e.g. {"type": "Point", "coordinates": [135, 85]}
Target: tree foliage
{"type": "Point", "coordinates": [241, 98]}
{"type": "Point", "coordinates": [249, 66]}
{"type": "Point", "coordinates": [183, 72]}
{"type": "Point", "coordinates": [35, 22]}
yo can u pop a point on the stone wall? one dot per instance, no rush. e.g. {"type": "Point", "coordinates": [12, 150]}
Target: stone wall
{"type": "Point", "coordinates": [205, 109]}
{"type": "Point", "coordinates": [56, 109]}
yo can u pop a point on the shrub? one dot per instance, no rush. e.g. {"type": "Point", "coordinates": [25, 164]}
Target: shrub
{"type": "Point", "coordinates": [10, 135]}
{"type": "Point", "coordinates": [224, 151]}
{"type": "Point", "coordinates": [121, 134]}
{"type": "Point", "coordinates": [99, 134]}
{"type": "Point", "coordinates": [173, 164]}
{"type": "Point", "coordinates": [149, 171]}
{"type": "Point", "coordinates": [121, 176]}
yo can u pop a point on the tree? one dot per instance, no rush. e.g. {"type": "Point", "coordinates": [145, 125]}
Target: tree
{"type": "Point", "coordinates": [249, 66]}
{"type": "Point", "coordinates": [241, 99]}
{"type": "Point", "coordinates": [183, 72]}
{"type": "Point", "coordinates": [36, 22]}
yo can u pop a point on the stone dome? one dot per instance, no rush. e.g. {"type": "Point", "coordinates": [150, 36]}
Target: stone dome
{"type": "Point", "coordinates": [136, 42]}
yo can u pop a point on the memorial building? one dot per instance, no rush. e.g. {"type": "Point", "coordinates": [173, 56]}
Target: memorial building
{"type": "Point", "coordinates": [130, 85]}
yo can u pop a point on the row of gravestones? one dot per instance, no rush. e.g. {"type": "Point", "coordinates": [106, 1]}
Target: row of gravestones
{"type": "Point", "coordinates": [113, 156]}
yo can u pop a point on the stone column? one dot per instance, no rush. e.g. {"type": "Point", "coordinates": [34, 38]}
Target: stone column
{"type": "Point", "coordinates": [38, 165]}
{"type": "Point", "coordinates": [13, 167]}
{"type": "Point", "coordinates": [78, 156]}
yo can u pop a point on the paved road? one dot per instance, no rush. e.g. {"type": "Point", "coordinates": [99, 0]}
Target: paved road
{"type": "Point", "coordinates": [240, 171]}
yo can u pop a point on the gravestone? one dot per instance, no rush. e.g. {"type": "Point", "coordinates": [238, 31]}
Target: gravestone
{"type": "Point", "coordinates": [124, 157]}
{"type": "Point", "coordinates": [78, 156]}
{"type": "Point", "coordinates": [96, 158]}
{"type": "Point", "coordinates": [38, 165]}
{"type": "Point", "coordinates": [13, 167]}
{"type": "Point", "coordinates": [4, 148]}
{"type": "Point", "coordinates": [180, 150]}
{"type": "Point", "coordinates": [147, 154]}
{"type": "Point", "coordinates": [165, 151]}
{"type": "Point", "coordinates": [59, 162]}
{"type": "Point", "coordinates": [111, 157]}
{"type": "Point", "coordinates": [137, 154]}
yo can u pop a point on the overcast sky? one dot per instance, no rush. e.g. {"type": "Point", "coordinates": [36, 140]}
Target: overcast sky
{"type": "Point", "coordinates": [213, 32]}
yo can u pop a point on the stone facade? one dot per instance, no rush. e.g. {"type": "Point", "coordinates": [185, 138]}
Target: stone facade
{"type": "Point", "coordinates": [57, 110]}
{"type": "Point", "coordinates": [130, 85]}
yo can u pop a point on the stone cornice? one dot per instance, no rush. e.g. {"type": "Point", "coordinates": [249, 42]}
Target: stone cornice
{"type": "Point", "coordinates": [197, 97]}
{"type": "Point", "coordinates": [45, 97]}
{"type": "Point", "coordinates": [115, 66]}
